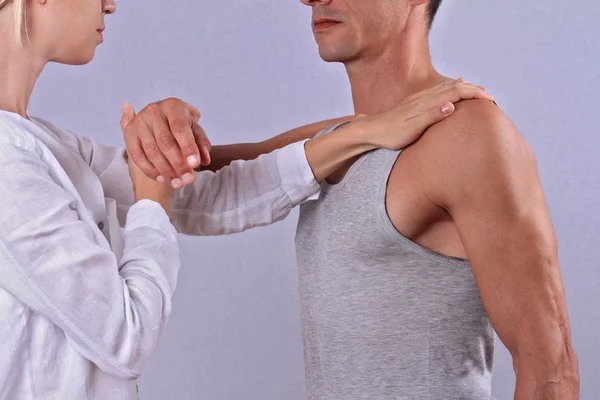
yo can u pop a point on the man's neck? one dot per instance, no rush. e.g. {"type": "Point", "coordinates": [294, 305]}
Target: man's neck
{"type": "Point", "coordinates": [19, 71]}
{"type": "Point", "coordinates": [382, 82]}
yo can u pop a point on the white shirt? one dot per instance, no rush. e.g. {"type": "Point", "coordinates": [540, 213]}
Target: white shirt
{"type": "Point", "coordinates": [82, 302]}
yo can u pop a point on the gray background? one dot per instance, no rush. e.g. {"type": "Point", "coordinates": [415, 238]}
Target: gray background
{"type": "Point", "coordinates": [253, 69]}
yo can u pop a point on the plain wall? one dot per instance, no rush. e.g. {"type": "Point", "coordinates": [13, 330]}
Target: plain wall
{"type": "Point", "coordinates": [253, 69]}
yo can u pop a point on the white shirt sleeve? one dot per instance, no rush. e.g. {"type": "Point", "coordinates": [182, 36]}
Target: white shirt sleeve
{"type": "Point", "coordinates": [244, 195]}
{"type": "Point", "coordinates": [112, 311]}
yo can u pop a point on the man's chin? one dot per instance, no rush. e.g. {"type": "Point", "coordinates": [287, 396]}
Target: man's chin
{"type": "Point", "coordinates": [335, 50]}
{"type": "Point", "coordinates": [328, 55]}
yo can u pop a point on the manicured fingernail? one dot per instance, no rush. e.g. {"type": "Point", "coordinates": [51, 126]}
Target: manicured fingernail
{"type": "Point", "coordinates": [124, 108]}
{"type": "Point", "coordinates": [446, 109]}
{"type": "Point", "coordinates": [176, 183]}
{"type": "Point", "coordinates": [187, 178]}
{"type": "Point", "coordinates": [461, 80]}
{"type": "Point", "coordinates": [160, 179]}
{"type": "Point", "coordinates": [193, 161]}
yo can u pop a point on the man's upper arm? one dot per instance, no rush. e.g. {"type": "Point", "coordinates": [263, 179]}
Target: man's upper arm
{"type": "Point", "coordinates": [485, 176]}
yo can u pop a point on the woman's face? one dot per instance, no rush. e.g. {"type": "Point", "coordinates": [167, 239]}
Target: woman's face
{"type": "Point", "coordinates": [69, 31]}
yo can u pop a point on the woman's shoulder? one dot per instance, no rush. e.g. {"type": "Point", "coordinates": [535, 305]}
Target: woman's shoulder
{"type": "Point", "coordinates": [66, 137]}
{"type": "Point", "coordinates": [17, 131]}
{"type": "Point", "coordinates": [33, 134]}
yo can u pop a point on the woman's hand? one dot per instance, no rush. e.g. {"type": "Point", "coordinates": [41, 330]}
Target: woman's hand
{"type": "Point", "coordinates": [402, 125]}
{"type": "Point", "coordinates": [393, 129]}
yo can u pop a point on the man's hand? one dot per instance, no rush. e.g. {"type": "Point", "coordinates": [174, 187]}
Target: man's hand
{"type": "Point", "coordinates": [165, 141]}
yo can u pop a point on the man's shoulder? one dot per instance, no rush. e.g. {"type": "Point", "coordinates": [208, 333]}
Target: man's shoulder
{"type": "Point", "coordinates": [476, 145]}
{"type": "Point", "coordinates": [478, 132]}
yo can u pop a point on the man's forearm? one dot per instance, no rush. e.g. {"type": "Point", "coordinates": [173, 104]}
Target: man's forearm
{"type": "Point", "coordinates": [222, 156]}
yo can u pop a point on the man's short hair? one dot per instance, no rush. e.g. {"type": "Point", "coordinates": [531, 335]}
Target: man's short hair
{"type": "Point", "coordinates": [434, 6]}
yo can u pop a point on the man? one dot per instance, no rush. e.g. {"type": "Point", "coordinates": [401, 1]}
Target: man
{"type": "Point", "coordinates": [391, 308]}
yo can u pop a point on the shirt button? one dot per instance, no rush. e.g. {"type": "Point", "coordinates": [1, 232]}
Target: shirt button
{"type": "Point", "coordinates": [100, 225]}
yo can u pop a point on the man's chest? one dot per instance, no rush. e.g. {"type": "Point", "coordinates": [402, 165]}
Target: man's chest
{"type": "Point", "coordinates": [409, 207]}
{"type": "Point", "coordinates": [415, 215]}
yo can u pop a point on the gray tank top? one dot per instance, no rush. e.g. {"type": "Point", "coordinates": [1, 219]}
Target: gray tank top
{"type": "Point", "coordinates": [382, 317]}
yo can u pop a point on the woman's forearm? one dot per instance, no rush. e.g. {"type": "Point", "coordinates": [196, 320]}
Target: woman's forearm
{"type": "Point", "coordinates": [328, 153]}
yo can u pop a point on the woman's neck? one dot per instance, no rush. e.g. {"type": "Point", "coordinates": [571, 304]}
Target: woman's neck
{"type": "Point", "coordinates": [19, 71]}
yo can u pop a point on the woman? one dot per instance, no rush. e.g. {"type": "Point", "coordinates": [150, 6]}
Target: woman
{"type": "Point", "coordinates": [82, 303]}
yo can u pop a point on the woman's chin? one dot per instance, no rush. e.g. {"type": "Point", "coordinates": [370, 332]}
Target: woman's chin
{"type": "Point", "coordinates": [81, 58]}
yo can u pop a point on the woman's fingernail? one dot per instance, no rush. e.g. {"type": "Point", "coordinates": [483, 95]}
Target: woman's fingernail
{"type": "Point", "coordinates": [124, 108]}
{"type": "Point", "coordinates": [176, 183]}
{"type": "Point", "coordinates": [193, 161]}
{"type": "Point", "coordinates": [187, 178]}
{"type": "Point", "coordinates": [160, 179]}
{"type": "Point", "coordinates": [446, 109]}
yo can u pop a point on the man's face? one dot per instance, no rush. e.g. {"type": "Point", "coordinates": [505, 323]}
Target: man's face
{"type": "Point", "coordinates": [346, 30]}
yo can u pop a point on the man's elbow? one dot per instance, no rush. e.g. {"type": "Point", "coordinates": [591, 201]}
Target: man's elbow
{"type": "Point", "coordinates": [541, 336]}
{"type": "Point", "coordinates": [542, 348]}
{"type": "Point", "coordinates": [554, 355]}
{"type": "Point", "coordinates": [550, 373]}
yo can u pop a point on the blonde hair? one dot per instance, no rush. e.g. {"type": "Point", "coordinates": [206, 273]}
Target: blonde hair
{"type": "Point", "coordinates": [19, 12]}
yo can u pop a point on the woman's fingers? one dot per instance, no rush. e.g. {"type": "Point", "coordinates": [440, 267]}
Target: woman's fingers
{"type": "Point", "coordinates": [452, 93]}
{"type": "Point", "coordinates": [432, 116]}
